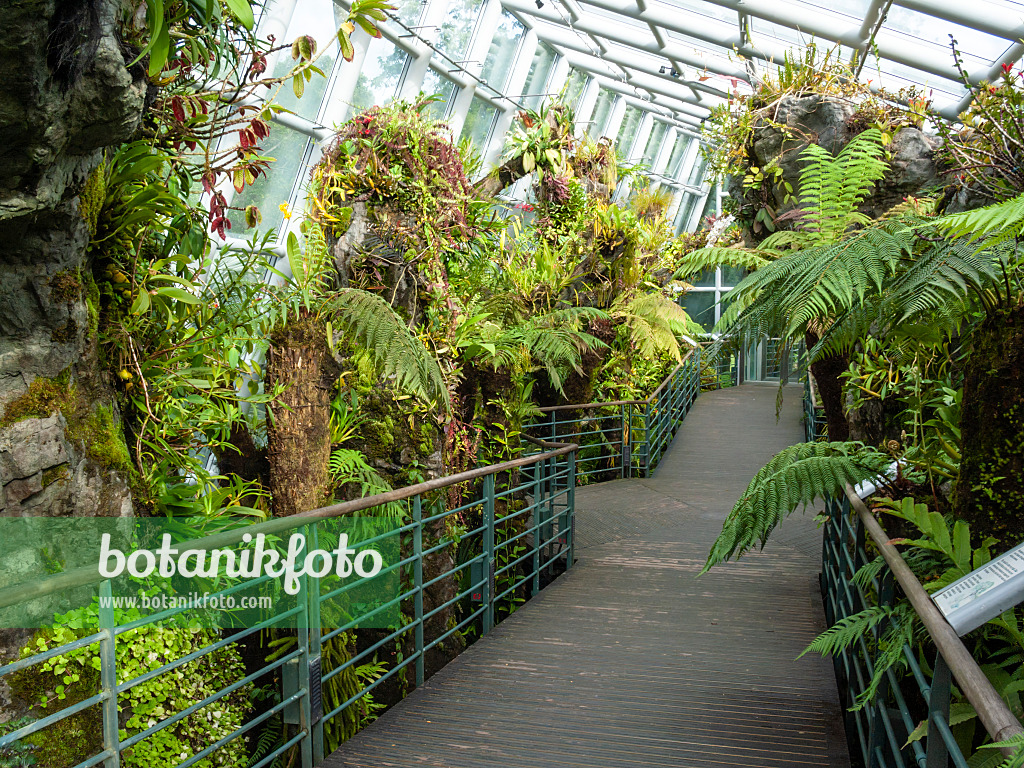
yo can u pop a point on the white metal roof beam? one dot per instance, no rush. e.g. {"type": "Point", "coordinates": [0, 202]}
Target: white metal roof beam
{"type": "Point", "coordinates": [698, 110]}
{"type": "Point", "coordinates": [820, 24]}
{"type": "Point", "coordinates": [985, 17]}
{"type": "Point", "coordinates": [671, 101]}
{"type": "Point", "coordinates": [605, 28]}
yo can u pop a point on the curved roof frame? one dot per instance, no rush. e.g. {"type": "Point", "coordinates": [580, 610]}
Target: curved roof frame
{"type": "Point", "coordinates": [689, 55]}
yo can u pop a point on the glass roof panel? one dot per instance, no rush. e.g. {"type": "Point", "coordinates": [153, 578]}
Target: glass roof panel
{"type": "Point", "coordinates": [502, 52]}
{"type": "Point", "coordinates": [458, 27]}
{"type": "Point", "coordinates": [937, 31]}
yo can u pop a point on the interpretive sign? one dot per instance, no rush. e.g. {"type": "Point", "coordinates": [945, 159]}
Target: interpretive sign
{"type": "Point", "coordinates": [984, 593]}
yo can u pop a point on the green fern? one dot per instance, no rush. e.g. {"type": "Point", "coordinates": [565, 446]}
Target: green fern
{"type": "Point", "coordinates": [831, 189]}
{"type": "Point", "coordinates": [349, 466]}
{"type": "Point", "coordinates": [845, 632]}
{"type": "Point", "coordinates": [654, 323]}
{"type": "Point", "coordinates": [708, 258]}
{"type": "Point", "coordinates": [383, 334]}
{"type": "Point", "coordinates": [795, 476]}
{"type": "Point", "coordinates": [989, 226]}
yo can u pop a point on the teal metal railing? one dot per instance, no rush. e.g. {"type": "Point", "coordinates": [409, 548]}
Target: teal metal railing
{"type": "Point", "coordinates": [912, 692]}
{"type": "Point", "coordinates": [879, 730]}
{"type": "Point", "coordinates": [815, 426]}
{"type": "Point", "coordinates": [523, 513]}
{"type": "Point", "coordinates": [624, 438]}
{"type": "Point", "coordinates": [720, 367]}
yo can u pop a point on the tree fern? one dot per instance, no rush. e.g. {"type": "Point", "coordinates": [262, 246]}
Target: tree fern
{"type": "Point", "coordinates": [383, 334]}
{"type": "Point", "coordinates": [654, 323]}
{"type": "Point", "coordinates": [987, 226]}
{"type": "Point", "coordinates": [793, 477]}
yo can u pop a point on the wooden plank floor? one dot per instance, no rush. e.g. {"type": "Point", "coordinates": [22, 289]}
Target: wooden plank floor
{"type": "Point", "coordinates": [631, 661]}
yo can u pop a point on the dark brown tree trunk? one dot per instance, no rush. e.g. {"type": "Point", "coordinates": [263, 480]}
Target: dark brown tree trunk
{"type": "Point", "coordinates": [826, 373]}
{"type": "Point", "coordinates": [298, 430]}
{"type": "Point", "coordinates": [989, 493]}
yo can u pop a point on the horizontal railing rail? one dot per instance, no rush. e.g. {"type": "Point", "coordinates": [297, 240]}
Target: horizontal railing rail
{"type": "Point", "coordinates": [625, 438]}
{"type": "Point", "coordinates": [880, 729]}
{"type": "Point", "coordinates": [518, 526]}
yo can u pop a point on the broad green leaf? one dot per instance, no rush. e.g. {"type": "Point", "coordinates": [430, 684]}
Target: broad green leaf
{"type": "Point", "coordinates": [243, 11]}
{"type": "Point", "coordinates": [141, 303]}
{"type": "Point", "coordinates": [179, 294]}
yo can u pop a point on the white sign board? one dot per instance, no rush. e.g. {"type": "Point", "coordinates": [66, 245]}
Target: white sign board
{"type": "Point", "coordinates": [984, 593]}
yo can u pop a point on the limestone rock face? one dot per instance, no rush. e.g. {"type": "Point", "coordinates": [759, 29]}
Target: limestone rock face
{"type": "Point", "coordinates": [44, 473]}
{"type": "Point", "coordinates": [67, 93]}
{"type": "Point", "coordinates": [827, 122]}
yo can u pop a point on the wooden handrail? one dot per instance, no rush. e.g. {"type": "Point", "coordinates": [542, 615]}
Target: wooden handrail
{"type": "Point", "coordinates": [993, 712]}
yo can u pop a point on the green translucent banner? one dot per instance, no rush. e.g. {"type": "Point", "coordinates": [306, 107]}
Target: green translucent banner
{"type": "Point", "coordinates": [84, 573]}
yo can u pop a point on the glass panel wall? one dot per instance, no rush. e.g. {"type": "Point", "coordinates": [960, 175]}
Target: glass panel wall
{"type": "Point", "coordinates": [602, 111]}
{"type": "Point", "coordinates": [274, 188]}
{"type": "Point", "coordinates": [502, 53]}
{"type": "Point", "coordinates": [654, 142]}
{"type": "Point", "coordinates": [675, 160]}
{"type": "Point", "coordinates": [437, 84]}
{"type": "Point", "coordinates": [537, 80]}
{"type": "Point", "coordinates": [309, 19]}
{"type": "Point", "coordinates": [627, 132]}
{"type": "Point", "coordinates": [380, 75]}
{"type": "Point", "coordinates": [479, 120]}
{"type": "Point", "coordinates": [458, 27]}
{"type": "Point", "coordinates": [574, 86]}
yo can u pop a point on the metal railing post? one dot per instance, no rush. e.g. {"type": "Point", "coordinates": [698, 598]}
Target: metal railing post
{"type": "Point", "coordinates": [647, 440]}
{"type": "Point", "coordinates": [305, 685]}
{"type": "Point", "coordinates": [488, 494]}
{"type": "Point", "coordinates": [624, 440]}
{"type": "Point", "coordinates": [938, 711]}
{"type": "Point", "coordinates": [108, 676]}
{"type": "Point", "coordinates": [877, 734]}
{"type": "Point", "coordinates": [417, 577]}
{"type": "Point", "coordinates": [316, 653]}
{"type": "Point", "coordinates": [570, 500]}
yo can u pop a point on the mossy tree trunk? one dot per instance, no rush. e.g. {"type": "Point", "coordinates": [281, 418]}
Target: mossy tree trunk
{"type": "Point", "coordinates": [826, 373]}
{"type": "Point", "coordinates": [298, 430]}
{"type": "Point", "coordinates": [989, 493]}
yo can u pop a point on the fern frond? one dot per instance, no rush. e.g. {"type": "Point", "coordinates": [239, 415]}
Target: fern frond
{"type": "Point", "coordinates": [654, 322]}
{"type": "Point", "coordinates": [708, 258]}
{"type": "Point", "coordinates": [349, 466]}
{"type": "Point", "coordinates": [795, 476]}
{"type": "Point", "coordinates": [848, 631]}
{"type": "Point", "coordinates": [989, 226]}
{"type": "Point", "coordinates": [390, 344]}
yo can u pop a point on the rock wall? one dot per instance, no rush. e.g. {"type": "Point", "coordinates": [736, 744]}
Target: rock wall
{"type": "Point", "coordinates": [67, 93]}
{"type": "Point", "coordinates": [830, 123]}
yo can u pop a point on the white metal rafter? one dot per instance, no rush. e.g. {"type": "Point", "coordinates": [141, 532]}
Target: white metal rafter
{"type": "Point", "coordinates": [711, 55]}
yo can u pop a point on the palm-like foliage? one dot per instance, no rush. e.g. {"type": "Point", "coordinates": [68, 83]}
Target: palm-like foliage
{"type": "Point", "coordinates": [654, 323]}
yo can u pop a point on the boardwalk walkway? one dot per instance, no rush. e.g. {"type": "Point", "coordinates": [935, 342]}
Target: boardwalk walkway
{"type": "Point", "coordinates": [629, 661]}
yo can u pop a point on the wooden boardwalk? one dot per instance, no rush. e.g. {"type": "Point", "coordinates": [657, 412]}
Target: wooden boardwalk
{"type": "Point", "coordinates": [631, 661]}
